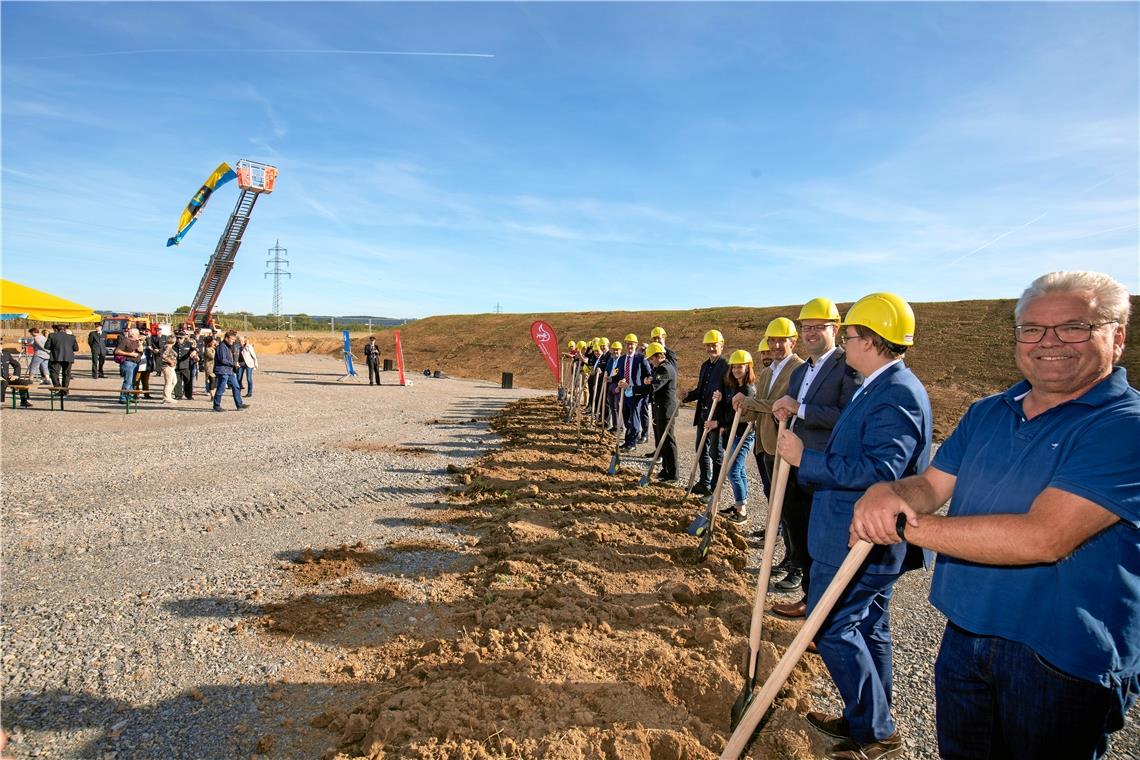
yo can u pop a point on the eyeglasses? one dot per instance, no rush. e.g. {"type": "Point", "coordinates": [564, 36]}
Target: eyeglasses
{"type": "Point", "coordinates": [1070, 332]}
{"type": "Point", "coordinates": [815, 328]}
{"type": "Point", "coordinates": [844, 338]}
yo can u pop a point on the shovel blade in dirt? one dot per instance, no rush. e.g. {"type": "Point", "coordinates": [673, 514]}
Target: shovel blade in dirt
{"type": "Point", "coordinates": [644, 479]}
{"type": "Point", "coordinates": [699, 525]}
{"type": "Point", "coordinates": [615, 460]}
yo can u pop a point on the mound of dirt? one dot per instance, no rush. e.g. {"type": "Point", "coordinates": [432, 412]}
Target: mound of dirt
{"type": "Point", "coordinates": [576, 623]}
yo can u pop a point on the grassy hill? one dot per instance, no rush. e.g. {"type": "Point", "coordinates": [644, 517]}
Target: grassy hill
{"type": "Point", "coordinates": [962, 352]}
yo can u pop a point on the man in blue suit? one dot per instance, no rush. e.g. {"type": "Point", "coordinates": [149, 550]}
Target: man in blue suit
{"type": "Point", "coordinates": [634, 369]}
{"type": "Point", "coordinates": [818, 391]}
{"type": "Point", "coordinates": [884, 434]}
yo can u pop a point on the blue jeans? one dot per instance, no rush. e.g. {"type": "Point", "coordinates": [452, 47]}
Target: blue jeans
{"type": "Point", "coordinates": [710, 456]}
{"type": "Point", "coordinates": [245, 379]}
{"type": "Point", "coordinates": [223, 381]}
{"type": "Point", "coordinates": [128, 368]}
{"type": "Point", "coordinates": [995, 698]}
{"type": "Point", "coordinates": [855, 644]}
{"type": "Point", "coordinates": [737, 476]}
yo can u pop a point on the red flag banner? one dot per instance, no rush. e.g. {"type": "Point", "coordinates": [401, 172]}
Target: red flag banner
{"type": "Point", "coordinates": [400, 358]}
{"type": "Point", "coordinates": [547, 342]}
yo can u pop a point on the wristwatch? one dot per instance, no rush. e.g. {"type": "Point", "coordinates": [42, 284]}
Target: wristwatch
{"type": "Point", "coordinates": [900, 526]}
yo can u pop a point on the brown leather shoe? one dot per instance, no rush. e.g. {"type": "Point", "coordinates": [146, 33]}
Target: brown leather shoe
{"type": "Point", "coordinates": [831, 725]}
{"type": "Point", "coordinates": [791, 610]}
{"type": "Point", "coordinates": [811, 647]}
{"type": "Point", "coordinates": [892, 746]}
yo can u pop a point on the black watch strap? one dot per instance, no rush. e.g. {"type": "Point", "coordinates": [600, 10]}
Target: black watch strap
{"type": "Point", "coordinates": [900, 526]}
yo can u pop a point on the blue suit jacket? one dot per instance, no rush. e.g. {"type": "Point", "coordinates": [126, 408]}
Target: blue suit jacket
{"type": "Point", "coordinates": [830, 392]}
{"type": "Point", "coordinates": [883, 434]}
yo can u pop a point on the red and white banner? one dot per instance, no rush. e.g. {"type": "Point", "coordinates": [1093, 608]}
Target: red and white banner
{"type": "Point", "coordinates": [547, 342]}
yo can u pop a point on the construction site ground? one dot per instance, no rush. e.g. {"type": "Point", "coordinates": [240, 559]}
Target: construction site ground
{"type": "Point", "coordinates": [435, 571]}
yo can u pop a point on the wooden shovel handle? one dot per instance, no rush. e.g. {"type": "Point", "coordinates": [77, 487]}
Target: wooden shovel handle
{"type": "Point", "coordinates": [664, 435]}
{"type": "Point", "coordinates": [700, 447]}
{"type": "Point", "coordinates": [856, 556]}
{"type": "Point", "coordinates": [725, 465]}
{"type": "Point", "coordinates": [775, 507]}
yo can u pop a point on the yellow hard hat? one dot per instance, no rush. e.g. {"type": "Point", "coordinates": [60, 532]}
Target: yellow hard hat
{"type": "Point", "coordinates": [615, 344]}
{"type": "Point", "coordinates": [581, 345]}
{"type": "Point", "coordinates": [653, 349]}
{"type": "Point", "coordinates": [570, 343]}
{"type": "Point", "coordinates": [605, 341]}
{"type": "Point", "coordinates": [740, 356]}
{"type": "Point", "coordinates": [713, 336]}
{"type": "Point", "coordinates": [782, 327]}
{"type": "Point", "coordinates": [631, 338]}
{"type": "Point", "coordinates": [887, 314]}
{"type": "Point", "coordinates": [819, 308]}
{"type": "Point", "coordinates": [763, 344]}
{"type": "Point", "coordinates": [658, 332]}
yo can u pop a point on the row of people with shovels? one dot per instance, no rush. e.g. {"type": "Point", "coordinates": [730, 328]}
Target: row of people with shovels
{"type": "Point", "coordinates": [1031, 664]}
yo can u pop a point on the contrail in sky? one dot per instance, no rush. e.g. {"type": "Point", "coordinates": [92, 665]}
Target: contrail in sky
{"type": "Point", "coordinates": [264, 51]}
{"type": "Point", "coordinates": [999, 237]}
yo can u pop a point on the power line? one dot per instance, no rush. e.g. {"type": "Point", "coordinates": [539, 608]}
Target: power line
{"type": "Point", "coordinates": [278, 259]}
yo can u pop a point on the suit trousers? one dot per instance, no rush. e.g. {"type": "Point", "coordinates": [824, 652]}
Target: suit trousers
{"type": "Point", "coordinates": [187, 378]}
{"type": "Point", "coordinates": [855, 643]}
{"type": "Point", "coordinates": [631, 413]}
{"type": "Point", "coordinates": [60, 374]}
{"type": "Point", "coordinates": [374, 370]}
{"type": "Point", "coordinates": [796, 516]}
{"type": "Point", "coordinates": [97, 360]}
{"type": "Point", "coordinates": [668, 449]}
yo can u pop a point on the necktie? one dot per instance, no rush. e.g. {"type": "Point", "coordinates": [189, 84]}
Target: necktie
{"type": "Point", "coordinates": [628, 368]}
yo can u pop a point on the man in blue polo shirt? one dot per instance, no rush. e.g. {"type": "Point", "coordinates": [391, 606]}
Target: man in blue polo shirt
{"type": "Point", "coordinates": [1039, 556]}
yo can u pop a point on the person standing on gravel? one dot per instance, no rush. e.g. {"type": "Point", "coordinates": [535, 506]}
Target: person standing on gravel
{"type": "Point", "coordinates": [1038, 568]}
{"type": "Point", "coordinates": [372, 359]}
{"type": "Point", "coordinates": [818, 391]}
{"type": "Point", "coordinates": [612, 392]}
{"type": "Point", "coordinates": [40, 357]}
{"type": "Point", "coordinates": [709, 380]}
{"type": "Point", "coordinates": [61, 348]}
{"type": "Point", "coordinates": [662, 386]}
{"type": "Point", "coordinates": [168, 359]}
{"type": "Point", "coordinates": [97, 342]}
{"type": "Point", "coordinates": [634, 370]}
{"type": "Point", "coordinates": [225, 367]}
{"type": "Point", "coordinates": [740, 380]}
{"type": "Point", "coordinates": [884, 434]}
{"type": "Point", "coordinates": [127, 355]}
{"type": "Point", "coordinates": [187, 354]}
{"type": "Point", "coordinates": [209, 353]}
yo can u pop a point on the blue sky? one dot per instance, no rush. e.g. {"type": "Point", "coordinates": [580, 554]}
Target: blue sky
{"type": "Point", "coordinates": [589, 156]}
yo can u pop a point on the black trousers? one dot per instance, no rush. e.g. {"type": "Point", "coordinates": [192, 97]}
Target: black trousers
{"type": "Point", "coordinates": [711, 456]}
{"type": "Point", "coordinates": [797, 515]}
{"type": "Point", "coordinates": [668, 449]}
{"type": "Point", "coordinates": [97, 359]}
{"type": "Point", "coordinates": [187, 378]}
{"type": "Point", "coordinates": [374, 370]}
{"type": "Point", "coordinates": [60, 373]}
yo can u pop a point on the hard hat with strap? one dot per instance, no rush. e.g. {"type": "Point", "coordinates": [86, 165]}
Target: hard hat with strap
{"type": "Point", "coordinates": [887, 314]}
{"type": "Point", "coordinates": [781, 327]}
{"type": "Point", "coordinates": [653, 349]}
{"type": "Point", "coordinates": [819, 308]}
{"type": "Point", "coordinates": [713, 336]}
{"type": "Point", "coordinates": [658, 332]}
{"type": "Point", "coordinates": [740, 356]}
{"type": "Point", "coordinates": [631, 338]}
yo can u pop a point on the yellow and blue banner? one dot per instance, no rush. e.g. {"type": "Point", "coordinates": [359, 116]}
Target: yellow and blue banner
{"type": "Point", "coordinates": [221, 176]}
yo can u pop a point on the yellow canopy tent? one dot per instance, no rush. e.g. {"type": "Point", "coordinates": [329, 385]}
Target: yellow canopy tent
{"type": "Point", "coordinates": [21, 302]}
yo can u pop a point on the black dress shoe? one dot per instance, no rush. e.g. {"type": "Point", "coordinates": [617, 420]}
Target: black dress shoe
{"type": "Point", "coordinates": [700, 489]}
{"type": "Point", "coordinates": [831, 725]}
{"type": "Point", "coordinates": [792, 581]}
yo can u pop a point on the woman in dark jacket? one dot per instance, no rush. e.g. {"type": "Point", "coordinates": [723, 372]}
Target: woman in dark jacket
{"type": "Point", "coordinates": [740, 378]}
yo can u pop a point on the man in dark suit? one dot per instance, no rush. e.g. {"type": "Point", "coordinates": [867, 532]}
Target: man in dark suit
{"type": "Point", "coordinates": [883, 434]}
{"type": "Point", "coordinates": [709, 381]}
{"type": "Point", "coordinates": [662, 386]}
{"type": "Point", "coordinates": [61, 346]}
{"type": "Point", "coordinates": [633, 369]}
{"type": "Point", "coordinates": [818, 391]}
{"type": "Point", "coordinates": [97, 342]}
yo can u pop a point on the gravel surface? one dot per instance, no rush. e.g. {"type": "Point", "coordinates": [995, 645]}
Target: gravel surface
{"type": "Point", "coordinates": [136, 546]}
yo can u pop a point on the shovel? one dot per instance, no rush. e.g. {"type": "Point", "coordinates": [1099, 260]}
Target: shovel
{"type": "Point", "coordinates": [561, 379]}
{"type": "Point", "coordinates": [644, 481]}
{"type": "Point", "coordinates": [573, 391]}
{"type": "Point", "coordinates": [615, 460]}
{"type": "Point", "coordinates": [697, 460]}
{"type": "Point", "coordinates": [775, 507]}
{"type": "Point", "coordinates": [757, 712]}
{"type": "Point", "coordinates": [701, 523]}
{"type": "Point", "coordinates": [706, 539]}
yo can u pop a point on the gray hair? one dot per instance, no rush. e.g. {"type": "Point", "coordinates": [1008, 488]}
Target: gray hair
{"type": "Point", "coordinates": [1109, 299]}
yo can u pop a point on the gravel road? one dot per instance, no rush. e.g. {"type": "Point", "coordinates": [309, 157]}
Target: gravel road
{"type": "Point", "coordinates": [135, 546]}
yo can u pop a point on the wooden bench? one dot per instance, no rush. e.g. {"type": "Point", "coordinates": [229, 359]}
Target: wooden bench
{"type": "Point", "coordinates": [17, 388]}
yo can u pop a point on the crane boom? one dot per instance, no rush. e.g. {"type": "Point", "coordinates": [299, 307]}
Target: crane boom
{"type": "Point", "coordinates": [253, 179]}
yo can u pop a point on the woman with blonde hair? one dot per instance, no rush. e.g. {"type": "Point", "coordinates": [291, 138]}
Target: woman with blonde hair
{"type": "Point", "coordinates": [740, 378]}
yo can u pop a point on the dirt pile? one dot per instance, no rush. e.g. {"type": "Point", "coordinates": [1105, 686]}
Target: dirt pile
{"type": "Point", "coordinates": [575, 624]}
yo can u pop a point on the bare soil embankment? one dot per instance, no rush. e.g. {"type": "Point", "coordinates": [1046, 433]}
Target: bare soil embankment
{"type": "Point", "coordinates": [963, 351]}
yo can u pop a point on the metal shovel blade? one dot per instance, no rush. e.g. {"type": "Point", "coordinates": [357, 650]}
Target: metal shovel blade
{"type": "Point", "coordinates": [615, 460]}
{"type": "Point", "coordinates": [698, 526]}
{"type": "Point", "coordinates": [644, 479]}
